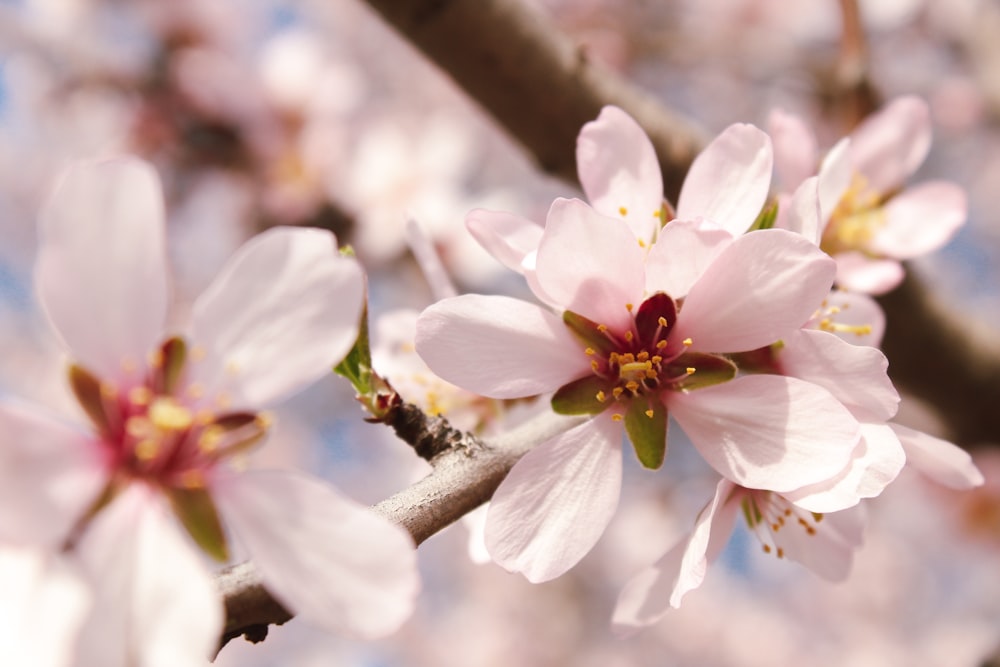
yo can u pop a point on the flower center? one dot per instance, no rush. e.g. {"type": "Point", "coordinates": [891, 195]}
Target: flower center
{"type": "Point", "coordinates": [856, 219]}
{"type": "Point", "coordinates": [768, 514]}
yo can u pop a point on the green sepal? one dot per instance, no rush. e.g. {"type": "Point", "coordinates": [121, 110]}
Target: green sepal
{"type": "Point", "coordinates": [579, 397]}
{"type": "Point", "coordinates": [589, 333]}
{"type": "Point", "coordinates": [197, 513]}
{"type": "Point", "coordinates": [87, 389]}
{"type": "Point", "coordinates": [710, 369]}
{"type": "Point", "coordinates": [173, 354]}
{"type": "Point", "coordinates": [647, 433]}
{"type": "Point", "coordinates": [373, 391]}
{"type": "Point", "coordinates": [765, 219]}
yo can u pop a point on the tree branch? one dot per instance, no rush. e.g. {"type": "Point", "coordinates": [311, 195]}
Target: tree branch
{"type": "Point", "coordinates": [466, 473]}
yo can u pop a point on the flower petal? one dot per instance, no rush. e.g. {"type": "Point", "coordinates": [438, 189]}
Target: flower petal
{"type": "Point", "coordinates": [877, 461]}
{"type": "Point", "coordinates": [43, 606]}
{"type": "Point", "coordinates": [759, 288]}
{"type": "Point", "coordinates": [49, 476]}
{"type": "Point", "coordinates": [795, 151]}
{"type": "Point", "coordinates": [940, 460]}
{"type": "Point", "coordinates": [283, 310]}
{"type": "Point", "coordinates": [648, 596]}
{"type": "Point", "coordinates": [682, 252]}
{"type": "Point", "coordinates": [829, 551]}
{"type": "Point", "coordinates": [590, 264]}
{"type": "Point", "coordinates": [854, 374]}
{"type": "Point", "coordinates": [853, 317]}
{"type": "Point", "coordinates": [101, 273]}
{"type": "Point", "coordinates": [768, 431]}
{"type": "Point", "coordinates": [557, 500]}
{"type": "Point", "coordinates": [506, 236]}
{"type": "Point", "coordinates": [728, 182]}
{"type": "Point", "coordinates": [619, 171]}
{"type": "Point", "coordinates": [920, 220]}
{"type": "Point", "coordinates": [859, 273]}
{"type": "Point", "coordinates": [889, 145]}
{"type": "Point", "coordinates": [333, 562]}
{"type": "Point", "coordinates": [156, 603]}
{"type": "Point", "coordinates": [499, 347]}
{"type": "Point", "coordinates": [834, 178]}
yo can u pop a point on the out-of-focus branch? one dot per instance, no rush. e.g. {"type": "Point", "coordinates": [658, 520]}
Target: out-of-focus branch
{"type": "Point", "coordinates": [534, 80]}
{"type": "Point", "coordinates": [466, 473]}
{"type": "Point", "coordinates": [542, 89]}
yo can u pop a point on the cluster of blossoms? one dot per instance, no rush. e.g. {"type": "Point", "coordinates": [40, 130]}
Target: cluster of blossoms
{"type": "Point", "coordinates": [86, 534]}
{"type": "Point", "coordinates": [720, 314]}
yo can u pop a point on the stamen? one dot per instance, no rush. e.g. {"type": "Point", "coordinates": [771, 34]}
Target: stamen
{"type": "Point", "coordinates": [167, 415]}
{"type": "Point", "coordinates": [649, 413]}
{"type": "Point", "coordinates": [690, 370]}
{"type": "Point", "coordinates": [601, 396]}
{"type": "Point", "coordinates": [622, 211]}
{"type": "Point", "coordinates": [687, 342]}
{"type": "Point", "coordinates": [616, 417]}
{"type": "Point", "coordinates": [590, 352]}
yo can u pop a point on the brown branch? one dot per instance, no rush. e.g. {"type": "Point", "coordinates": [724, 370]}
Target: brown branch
{"type": "Point", "coordinates": [466, 473]}
{"type": "Point", "coordinates": [535, 81]}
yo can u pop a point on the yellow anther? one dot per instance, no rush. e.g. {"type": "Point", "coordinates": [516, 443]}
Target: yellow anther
{"type": "Point", "coordinates": [657, 358]}
{"type": "Point", "coordinates": [651, 374]}
{"type": "Point", "coordinates": [140, 395]}
{"type": "Point", "coordinates": [767, 548]}
{"type": "Point", "coordinates": [690, 370]}
{"type": "Point", "coordinates": [594, 366]}
{"type": "Point", "coordinates": [661, 344]}
{"type": "Point", "coordinates": [781, 552]}
{"type": "Point", "coordinates": [601, 396]}
{"type": "Point", "coordinates": [616, 417]}
{"type": "Point", "coordinates": [642, 244]}
{"type": "Point", "coordinates": [209, 439]}
{"type": "Point", "coordinates": [146, 449]}
{"type": "Point", "coordinates": [192, 479]}
{"type": "Point", "coordinates": [622, 211]}
{"type": "Point", "coordinates": [590, 351]}
{"type": "Point", "coordinates": [168, 415]}
{"type": "Point", "coordinates": [650, 413]}
{"type": "Point", "coordinates": [629, 336]}
{"type": "Point", "coordinates": [617, 392]}
{"type": "Point", "coordinates": [629, 307]}
{"type": "Point", "coordinates": [602, 328]}
{"type": "Point", "coordinates": [642, 356]}
{"type": "Point", "coordinates": [687, 342]}
{"type": "Point", "coordinates": [632, 385]}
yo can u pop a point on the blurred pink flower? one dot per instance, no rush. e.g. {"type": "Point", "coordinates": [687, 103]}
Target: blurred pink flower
{"type": "Point", "coordinates": [168, 417]}
{"type": "Point", "coordinates": [866, 220]}
{"type": "Point", "coordinates": [625, 353]}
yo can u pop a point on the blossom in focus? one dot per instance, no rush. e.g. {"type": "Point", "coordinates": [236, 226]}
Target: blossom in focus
{"type": "Point", "coordinates": [867, 221]}
{"type": "Point", "coordinates": [626, 352]}
{"type": "Point", "coordinates": [170, 415]}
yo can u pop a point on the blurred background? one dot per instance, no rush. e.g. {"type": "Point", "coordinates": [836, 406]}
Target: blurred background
{"type": "Point", "coordinates": [262, 112]}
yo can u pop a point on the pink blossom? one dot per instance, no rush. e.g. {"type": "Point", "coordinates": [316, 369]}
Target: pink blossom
{"type": "Point", "coordinates": [725, 188]}
{"type": "Point", "coordinates": [169, 415]}
{"type": "Point", "coordinates": [627, 354]}
{"type": "Point", "coordinates": [872, 223]}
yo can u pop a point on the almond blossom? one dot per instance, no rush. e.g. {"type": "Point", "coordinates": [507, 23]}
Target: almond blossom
{"type": "Point", "coordinates": [629, 353]}
{"type": "Point", "coordinates": [170, 415]}
{"type": "Point", "coordinates": [868, 222]}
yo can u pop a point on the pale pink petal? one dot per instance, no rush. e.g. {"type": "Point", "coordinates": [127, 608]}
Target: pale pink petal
{"type": "Point", "coordinates": [557, 500]}
{"type": "Point", "coordinates": [729, 180]}
{"type": "Point", "coordinates": [648, 596]}
{"type": "Point", "coordinates": [101, 273]}
{"type": "Point", "coordinates": [920, 220]}
{"type": "Point", "coordinates": [834, 176]}
{"type": "Point", "coordinates": [49, 476]}
{"type": "Point", "coordinates": [682, 252]}
{"type": "Point", "coordinates": [877, 461]}
{"type": "Point", "coordinates": [760, 287]}
{"type": "Point", "coordinates": [768, 431]}
{"type": "Point", "coordinates": [42, 608]}
{"type": "Point", "coordinates": [853, 317]}
{"type": "Point", "coordinates": [796, 154]}
{"type": "Point", "coordinates": [859, 273]}
{"type": "Point", "coordinates": [802, 214]}
{"type": "Point", "coordinates": [475, 522]}
{"type": "Point", "coordinates": [331, 561]}
{"type": "Point", "coordinates": [829, 552]}
{"type": "Point", "coordinates": [889, 146]}
{"type": "Point", "coordinates": [939, 459]}
{"type": "Point", "coordinates": [279, 315]}
{"type": "Point", "coordinates": [429, 260]}
{"type": "Point", "coordinates": [156, 604]}
{"type": "Point", "coordinates": [506, 236]}
{"type": "Point", "coordinates": [619, 171]}
{"type": "Point", "coordinates": [855, 375]}
{"type": "Point", "coordinates": [499, 347]}
{"type": "Point", "coordinates": [590, 264]}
